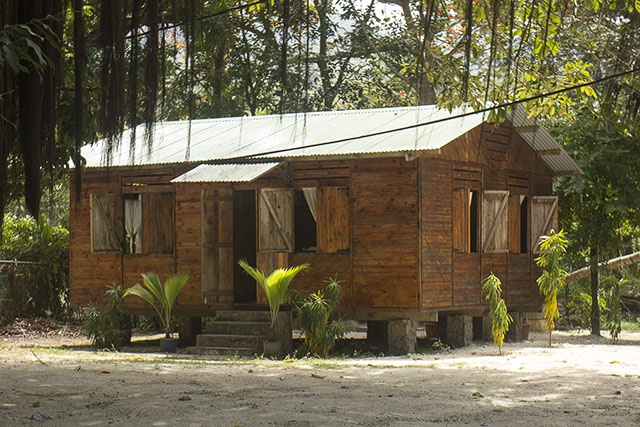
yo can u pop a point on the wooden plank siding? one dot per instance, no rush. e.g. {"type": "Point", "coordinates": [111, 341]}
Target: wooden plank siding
{"type": "Point", "coordinates": [322, 266]}
{"type": "Point", "coordinates": [502, 163]}
{"type": "Point", "coordinates": [437, 235]}
{"type": "Point", "coordinates": [92, 271]}
{"type": "Point", "coordinates": [385, 230]}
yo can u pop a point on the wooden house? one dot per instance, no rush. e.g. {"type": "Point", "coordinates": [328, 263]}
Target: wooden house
{"type": "Point", "coordinates": [410, 207]}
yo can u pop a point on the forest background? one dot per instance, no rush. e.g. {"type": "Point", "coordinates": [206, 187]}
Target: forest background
{"type": "Point", "coordinates": [74, 71]}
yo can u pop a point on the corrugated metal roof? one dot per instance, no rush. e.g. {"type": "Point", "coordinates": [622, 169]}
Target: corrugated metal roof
{"type": "Point", "coordinates": [226, 172]}
{"type": "Point", "coordinates": [329, 133]}
{"type": "Point", "coordinates": [541, 141]}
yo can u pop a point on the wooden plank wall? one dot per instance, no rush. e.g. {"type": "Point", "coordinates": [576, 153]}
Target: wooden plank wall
{"type": "Point", "coordinates": [332, 180]}
{"type": "Point", "coordinates": [385, 233]}
{"type": "Point", "coordinates": [437, 234]}
{"type": "Point", "coordinates": [91, 272]}
{"type": "Point", "coordinates": [323, 266]}
{"type": "Point", "coordinates": [189, 239]}
{"type": "Point", "coordinates": [453, 280]}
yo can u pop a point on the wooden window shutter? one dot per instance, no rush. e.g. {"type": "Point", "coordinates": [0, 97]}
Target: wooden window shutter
{"type": "Point", "coordinates": [514, 223]}
{"type": "Point", "coordinates": [276, 220]}
{"type": "Point", "coordinates": [544, 218]}
{"type": "Point", "coordinates": [332, 212]}
{"type": "Point", "coordinates": [217, 246]}
{"type": "Point", "coordinates": [461, 220]}
{"type": "Point", "coordinates": [107, 223]}
{"type": "Point", "coordinates": [494, 221]}
{"type": "Point", "coordinates": [157, 223]}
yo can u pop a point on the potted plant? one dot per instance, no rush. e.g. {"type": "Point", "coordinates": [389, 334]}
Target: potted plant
{"type": "Point", "coordinates": [276, 288]}
{"type": "Point", "coordinates": [162, 297]}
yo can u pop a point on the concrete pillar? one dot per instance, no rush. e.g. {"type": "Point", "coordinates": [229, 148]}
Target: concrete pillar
{"type": "Point", "coordinates": [377, 332]}
{"type": "Point", "coordinates": [401, 337]}
{"type": "Point", "coordinates": [515, 329]}
{"type": "Point", "coordinates": [459, 330]}
{"type": "Point", "coordinates": [283, 331]}
{"type": "Point", "coordinates": [486, 328]}
{"type": "Point", "coordinates": [188, 329]}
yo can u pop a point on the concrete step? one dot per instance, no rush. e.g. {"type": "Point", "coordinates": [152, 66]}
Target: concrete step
{"type": "Point", "coordinates": [237, 328]}
{"type": "Point", "coordinates": [230, 341]}
{"type": "Point", "coordinates": [223, 351]}
{"type": "Point", "coordinates": [242, 316]}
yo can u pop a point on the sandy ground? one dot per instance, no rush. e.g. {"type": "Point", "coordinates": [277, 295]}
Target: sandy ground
{"type": "Point", "coordinates": [580, 381]}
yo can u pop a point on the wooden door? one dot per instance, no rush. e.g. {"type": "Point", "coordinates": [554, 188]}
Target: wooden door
{"type": "Point", "coordinates": [275, 230]}
{"type": "Point", "coordinates": [217, 246]}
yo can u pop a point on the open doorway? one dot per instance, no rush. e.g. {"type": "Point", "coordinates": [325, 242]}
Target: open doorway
{"type": "Point", "coordinates": [244, 244]}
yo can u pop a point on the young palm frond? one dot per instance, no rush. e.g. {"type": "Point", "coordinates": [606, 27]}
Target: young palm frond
{"type": "Point", "coordinates": [160, 296]}
{"type": "Point", "coordinates": [275, 285]}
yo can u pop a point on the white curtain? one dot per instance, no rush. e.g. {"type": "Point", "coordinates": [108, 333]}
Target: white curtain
{"type": "Point", "coordinates": [310, 197]}
{"type": "Point", "coordinates": [133, 223]}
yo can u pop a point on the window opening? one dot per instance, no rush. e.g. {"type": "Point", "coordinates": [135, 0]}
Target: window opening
{"type": "Point", "coordinates": [474, 221]}
{"type": "Point", "coordinates": [133, 223]}
{"type": "Point", "coordinates": [524, 224]}
{"type": "Point", "coordinates": [305, 220]}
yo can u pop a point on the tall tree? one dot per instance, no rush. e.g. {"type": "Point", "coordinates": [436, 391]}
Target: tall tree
{"type": "Point", "coordinates": [203, 59]}
{"type": "Point", "coordinates": [30, 70]}
{"type": "Point", "coordinates": [600, 207]}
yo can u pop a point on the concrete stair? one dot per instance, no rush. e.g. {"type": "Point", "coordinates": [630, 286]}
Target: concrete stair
{"type": "Point", "coordinates": [233, 333]}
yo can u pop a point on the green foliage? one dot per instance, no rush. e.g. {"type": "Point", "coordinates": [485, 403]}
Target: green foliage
{"type": "Point", "coordinates": [21, 46]}
{"type": "Point", "coordinates": [577, 312]}
{"type": "Point", "coordinates": [109, 327]}
{"type": "Point", "coordinates": [314, 313]}
{"type": "Point", "coordinates": [275, 285]}
{"type": "Point", "coordinates": [440, 346]}
{"type": "Point", "coordinates": [612, 311]}
{"type": "Point", "coordinates": [500, 318]}
{"type": "Point", "coordinates": [37, 284]}
{"type": "Point", "coordinates": [553, 248]}
{"type": "Point", "coordinates": [161, 296]}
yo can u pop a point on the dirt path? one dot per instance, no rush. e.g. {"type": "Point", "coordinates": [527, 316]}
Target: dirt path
{"type": "Point", "coordinates": [581, 381]}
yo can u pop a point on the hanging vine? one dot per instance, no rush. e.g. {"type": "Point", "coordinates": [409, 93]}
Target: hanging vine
{"type": "Point", "coordinates": [112, 74]}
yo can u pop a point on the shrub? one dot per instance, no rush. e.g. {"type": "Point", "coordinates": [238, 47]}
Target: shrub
{"type": "Point", "coordinates": [314, 313]}
{"type": "Point", "coordinates": [109, 327]}
{"type": "Point", "coordinates": [37, 283]}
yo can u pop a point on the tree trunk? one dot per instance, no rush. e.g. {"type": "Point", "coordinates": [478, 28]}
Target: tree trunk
{"type": "Point", "coordinates": [595, 282]}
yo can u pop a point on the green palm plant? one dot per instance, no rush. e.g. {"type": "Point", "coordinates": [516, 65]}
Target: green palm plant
{"type": "Point", "coordinates": [161, 296]}
{"type": "Point", "coordinates": [314, 312]}
{"type": "Point", "coordinates": [500, 318]}
{"type": "Point", "coordinates": [275, 285]}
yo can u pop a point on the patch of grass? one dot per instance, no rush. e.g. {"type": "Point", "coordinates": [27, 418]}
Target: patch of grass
{"type": "Point", "coordinates": [627, 325]}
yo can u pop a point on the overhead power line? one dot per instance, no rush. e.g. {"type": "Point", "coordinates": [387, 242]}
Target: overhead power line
{"type": "Point", "coordinates": [431, 122]}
